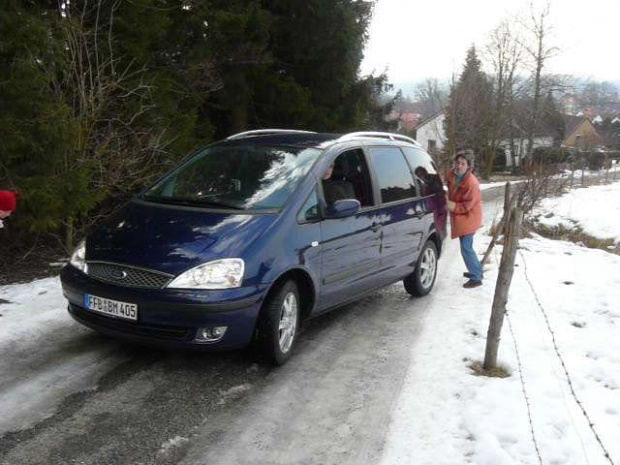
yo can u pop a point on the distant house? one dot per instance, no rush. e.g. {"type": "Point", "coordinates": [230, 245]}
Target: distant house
{"type": "Point", "coordinates": [601, 112]}
{"type": "Point", "coordinates": [515, 148]}
{"type": "Point", "coordinates": [580, 133]}
{"type": "Point", "coordinates": [430, 133]}
{"type": "Point", "coordinates": [408, 121]}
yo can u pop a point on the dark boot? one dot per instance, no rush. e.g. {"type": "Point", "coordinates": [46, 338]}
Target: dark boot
{"type": "Point", "coordinates": [468, 275]}
{"type": "Point", "coordinates": [472, 283]}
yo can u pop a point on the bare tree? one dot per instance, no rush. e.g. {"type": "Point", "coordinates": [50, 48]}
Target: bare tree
{"type": "Point", "coordinates": [431, 97]}
{"type": "Point", "coordinates": [539, 53]}
{"type": "Point", "coordinates": [505, 53]}
{"type": "Point", "coordinates": [108, 100]}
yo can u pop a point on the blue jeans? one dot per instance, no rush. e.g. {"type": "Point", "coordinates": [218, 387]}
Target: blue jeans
{"type": "Point", "coordinates": [469, 256]}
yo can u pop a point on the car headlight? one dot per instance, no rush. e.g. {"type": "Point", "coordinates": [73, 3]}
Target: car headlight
{"type": "Point", "coordinates": [78, 258]}
{"type": "Point", "coordinates": [219, 274]}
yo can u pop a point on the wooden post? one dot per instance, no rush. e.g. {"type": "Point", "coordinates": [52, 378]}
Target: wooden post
{"type": "Point", "coordinates": [500, 227]}
{"type": "Point", "coordinates": [583, 173]}
{"type": "Point", "coordinates": [502, 286]}
{"type": "Point", "coordinates": [607, 168]}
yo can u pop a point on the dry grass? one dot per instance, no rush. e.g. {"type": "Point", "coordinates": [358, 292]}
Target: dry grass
{"type": "Point", "coordinates": [498, 372]}
{"type": "Point", "coordinates": [573, 234]}
{"type": "Point", "coordinates": [499, 177]}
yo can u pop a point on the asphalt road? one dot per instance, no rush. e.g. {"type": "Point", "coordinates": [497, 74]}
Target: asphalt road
{"type": "Point", "coordinates": [105, 402]}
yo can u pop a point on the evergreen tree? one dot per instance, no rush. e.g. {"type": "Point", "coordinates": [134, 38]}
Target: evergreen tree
{"type": "Point", "coordinates": [99, 97]}
{"type": "Point", "coordinates": [298, 67]}
{"type": "Point", "coordinates": [469, 109]}
{"type": "Point", "coordinates": [552, 120]}
{"type": "Point", "coordinates": [611, 134]}
{"type": "Point", "coordinates": [95, 107]}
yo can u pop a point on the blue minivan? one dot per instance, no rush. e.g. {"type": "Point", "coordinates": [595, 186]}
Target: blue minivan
{"type": "Point", "coordinates": [253, 235]}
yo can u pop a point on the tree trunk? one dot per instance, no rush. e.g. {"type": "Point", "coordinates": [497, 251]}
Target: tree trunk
{"type": "Point", "coordinates": [608, 167]}
{"type": "Point", "coordinates": [238, 118]}
{"type": "Point", "coordinates": [583, 174]}
{"type": "Point", "coordinates": [504, 278]}
{"type": "Point", "coordinates": [69, 235]}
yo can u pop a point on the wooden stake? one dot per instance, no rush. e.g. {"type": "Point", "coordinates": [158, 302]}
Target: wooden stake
{"type": "Point", "coordinates": [499, 229]}
{"type": "Point", "coordinates": [502, 286]}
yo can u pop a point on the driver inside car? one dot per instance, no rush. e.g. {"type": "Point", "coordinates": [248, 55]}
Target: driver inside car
{"type": "Point", "coordinates": [336, 188]}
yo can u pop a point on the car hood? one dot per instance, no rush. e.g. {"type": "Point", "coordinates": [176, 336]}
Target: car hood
{"type": "Point", "coordinates": [173, 239]}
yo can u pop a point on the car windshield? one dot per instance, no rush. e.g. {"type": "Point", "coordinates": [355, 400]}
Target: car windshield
{"type": "Point", "coordinates": [239, 178]}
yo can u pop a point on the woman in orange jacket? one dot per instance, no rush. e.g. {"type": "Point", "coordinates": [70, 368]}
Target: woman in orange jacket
{"type": "Point", "coordinates": [465, 205]}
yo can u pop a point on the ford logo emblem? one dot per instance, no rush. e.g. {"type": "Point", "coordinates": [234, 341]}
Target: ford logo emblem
{"type": "Point", "coordinates": [118, 274]}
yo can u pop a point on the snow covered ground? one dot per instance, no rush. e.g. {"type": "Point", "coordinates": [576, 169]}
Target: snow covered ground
{"type": "Point", "coordinates": [593, 209]}
{"type": "Point", "coordinates": [444, 413]}
{"type": "Point", "coordinates": [560, 291]}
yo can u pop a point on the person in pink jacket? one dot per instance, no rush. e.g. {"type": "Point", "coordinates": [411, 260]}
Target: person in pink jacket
{"type": "Point", "coordinates": [7, 204]}
{"type": "Point", "coordinates": [465, 205]}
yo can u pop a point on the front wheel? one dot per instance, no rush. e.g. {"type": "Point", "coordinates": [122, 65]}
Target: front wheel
{"type": "Point", "coordinates": [421, 281]}
{"type": "Point", "coordinates": [279, 323]}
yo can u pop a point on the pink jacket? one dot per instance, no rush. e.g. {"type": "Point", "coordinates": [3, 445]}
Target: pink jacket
{"type": "Point", "coordinates": [467, 215]}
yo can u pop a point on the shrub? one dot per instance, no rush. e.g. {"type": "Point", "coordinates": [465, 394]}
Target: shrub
{"type": "Point", "coordinates": [550, 155]}
{"type": "Point", "coordinates": [596, 160]}
{"type": "Point", "coordinates": [614, 155]}
{"type": "Point", "coordinates": [499, 164]}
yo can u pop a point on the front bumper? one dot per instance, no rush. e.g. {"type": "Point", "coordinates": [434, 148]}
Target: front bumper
{"type": "Point", "coordinates": [167, 317]}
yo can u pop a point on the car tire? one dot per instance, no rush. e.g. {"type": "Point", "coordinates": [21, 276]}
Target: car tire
{"type": "Point", "coordinates": [421, 281]}
{"type": "Point", "coordinates": [279, 323]}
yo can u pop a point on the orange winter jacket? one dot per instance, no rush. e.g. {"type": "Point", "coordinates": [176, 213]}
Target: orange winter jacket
{"type": "Point", "coordinates": [467, 215]}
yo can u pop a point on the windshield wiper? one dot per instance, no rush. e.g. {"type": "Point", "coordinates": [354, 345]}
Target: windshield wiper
{"type": "Point", "coordinates": [191, 202]}
{"type": "Point", "coordinates": [216, 204]}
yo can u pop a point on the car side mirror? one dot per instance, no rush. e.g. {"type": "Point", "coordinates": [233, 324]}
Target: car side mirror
{"type": "Point", "coordinates": [342, 209]}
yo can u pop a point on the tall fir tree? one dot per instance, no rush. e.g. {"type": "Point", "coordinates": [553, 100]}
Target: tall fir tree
{"type": "Point", "coordinates": [552, 120]}
{"type": "Point", "coordinates": [468, 111]}
{"type": "Point", "coordinates": [99, 97]}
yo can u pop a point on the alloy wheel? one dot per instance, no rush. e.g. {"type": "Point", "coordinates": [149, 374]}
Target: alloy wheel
{"type": "Point", "coordinates": [288, 322]}
{"type": "Point", "coordinates": [428, 267]}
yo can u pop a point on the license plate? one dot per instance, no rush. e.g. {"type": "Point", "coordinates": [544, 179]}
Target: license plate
{"type": "Point", "coordinates": [113, 308]}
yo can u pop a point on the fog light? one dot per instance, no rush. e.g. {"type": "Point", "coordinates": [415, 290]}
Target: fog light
{"type": "Point", "coordinates": [210, 333]}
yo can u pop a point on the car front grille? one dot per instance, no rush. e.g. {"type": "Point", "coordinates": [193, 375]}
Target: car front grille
{"type": "Point", "coordinates": [129, 276]}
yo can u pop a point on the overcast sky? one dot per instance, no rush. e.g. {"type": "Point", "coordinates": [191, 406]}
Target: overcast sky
{"type": "Point", "coordinates": [419, 39]}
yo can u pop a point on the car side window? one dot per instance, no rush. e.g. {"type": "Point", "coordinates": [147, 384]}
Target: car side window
{"type": "Point", "coordinates": [310, 211]}
{"type": "Point", "coordinates": [348, 178]}
{"type": "Point", "coordinates": [424, 170]}
{"type": "Point", "coordinates": [393, 173]}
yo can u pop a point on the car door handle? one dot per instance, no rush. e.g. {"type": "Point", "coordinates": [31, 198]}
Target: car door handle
{"type": "Point", "coordinates": [375, 227]}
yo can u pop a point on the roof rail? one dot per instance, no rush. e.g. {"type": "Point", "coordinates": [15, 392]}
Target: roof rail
{"type": "Point", "coordinates": [379, 135]}
{"type": "Point", "coordinates": [267, 132]}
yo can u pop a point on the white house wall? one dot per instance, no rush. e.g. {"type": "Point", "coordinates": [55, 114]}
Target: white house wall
{"type": "Point", "coordinates": [432, 130]}
{"type": "Point", "coordinates": [521, 148]}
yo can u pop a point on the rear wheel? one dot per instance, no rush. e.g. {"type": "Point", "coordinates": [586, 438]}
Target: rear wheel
{"type": "Point", "coordinates": [422, 280]}
{"type": "Point", "coordinates": [279, 323]}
